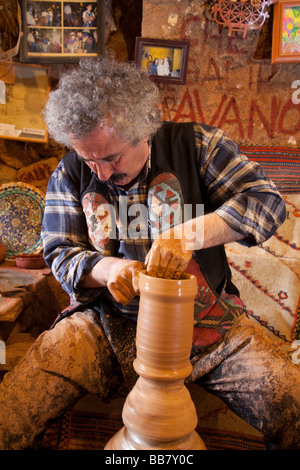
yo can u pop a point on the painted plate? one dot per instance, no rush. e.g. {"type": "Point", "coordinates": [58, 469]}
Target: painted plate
{"type": "Point", "coordinates": [21, 213]}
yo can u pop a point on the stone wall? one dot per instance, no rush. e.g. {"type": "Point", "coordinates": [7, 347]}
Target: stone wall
{"type": "Point", "coordinates": [231, 82]}
{"type": "Point", "coordinates": [28, 162]}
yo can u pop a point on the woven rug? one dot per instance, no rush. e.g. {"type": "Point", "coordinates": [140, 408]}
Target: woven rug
{"type": "Point", "coordinates": [91, 423]}
{"type": "Point", "coordinates": [281, 164]}
{"type": "Point", "coordinates": [268, 277]}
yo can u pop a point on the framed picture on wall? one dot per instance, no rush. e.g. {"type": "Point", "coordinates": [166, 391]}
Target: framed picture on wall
{"type": "Point", "coordinates": [166, 61]}
{"type": "Point", "coordinates": [61, 30]}
{"type": "Point", "coordinates": [286, 32]}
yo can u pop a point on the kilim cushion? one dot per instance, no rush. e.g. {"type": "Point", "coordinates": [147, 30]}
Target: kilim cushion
{"type": "Point", "coordinates": [281, 164]}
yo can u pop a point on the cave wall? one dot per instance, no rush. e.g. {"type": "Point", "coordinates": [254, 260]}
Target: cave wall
{"type": "Point", "coordinates": [231, 82]}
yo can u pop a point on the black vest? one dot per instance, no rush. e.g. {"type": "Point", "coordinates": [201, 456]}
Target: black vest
{"type": "Point", "coordinates": [173, 151]}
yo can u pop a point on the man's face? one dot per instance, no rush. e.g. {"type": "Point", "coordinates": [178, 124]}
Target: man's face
{"type": "Point", "coordinates": [109, 158]}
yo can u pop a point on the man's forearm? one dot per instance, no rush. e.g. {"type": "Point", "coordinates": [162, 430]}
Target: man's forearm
{"type": "Point", "coordinates": [98, 276]}
{"type": "Point", "coordinates": [208, 231]}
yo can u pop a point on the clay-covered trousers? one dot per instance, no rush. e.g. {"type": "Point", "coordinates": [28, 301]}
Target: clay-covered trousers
{"type": "Point", "coordinates": [252, 375]}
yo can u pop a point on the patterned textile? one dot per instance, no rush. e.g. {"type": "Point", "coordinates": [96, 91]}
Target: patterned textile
{"type": "Point", "coordinates": [281, 164]}
{"type": "Point", "coordinates": [79, 430]}
{"type": "Point", "coordinates": [268, 277]}
{"type": "Point", "coordinates": [90, 425]}
{"type": "Point", "coordinates": [213, 315]}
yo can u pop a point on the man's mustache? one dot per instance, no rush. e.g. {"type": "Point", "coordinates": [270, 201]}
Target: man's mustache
{"type": "Point", "coordinates": [117, 176]}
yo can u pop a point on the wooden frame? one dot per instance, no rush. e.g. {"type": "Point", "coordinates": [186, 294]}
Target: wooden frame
{"type": "Point", "coordinates": [286, 32]}
{"type": "Point", "coordinates": [173, 54]}
{"type": "Point", "coordinates": [24, 92]}
{"type": "Point", "coordinates": [61, 30]}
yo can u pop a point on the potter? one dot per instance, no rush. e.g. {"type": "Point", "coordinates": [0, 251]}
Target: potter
{"type": "Point", "coordinates": [107, 114]}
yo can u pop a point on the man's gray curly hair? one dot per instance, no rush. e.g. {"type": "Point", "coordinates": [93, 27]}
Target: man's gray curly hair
{"type": "Point", "coordinates": [103, 92]}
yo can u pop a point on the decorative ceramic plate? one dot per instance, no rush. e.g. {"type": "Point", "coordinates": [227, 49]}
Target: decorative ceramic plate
{"type": "Point", "coordinates": [21, 212]}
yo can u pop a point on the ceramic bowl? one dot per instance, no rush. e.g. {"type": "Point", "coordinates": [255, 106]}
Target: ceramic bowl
{"type": "Point", "coordinates": [30, 261]}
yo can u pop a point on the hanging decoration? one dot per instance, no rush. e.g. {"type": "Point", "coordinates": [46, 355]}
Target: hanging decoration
{"type": "Point", "coordinates": [241, 15]}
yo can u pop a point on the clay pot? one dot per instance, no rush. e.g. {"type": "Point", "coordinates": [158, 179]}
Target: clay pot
{"type": "Point", "coordinates": [159, 412]}
{"type": "Point", "coordinates": [30, 261]}
{"type": "Point", "coordinates": [165, 326]}
{"type": "Point", "coordinates": [3, 252]}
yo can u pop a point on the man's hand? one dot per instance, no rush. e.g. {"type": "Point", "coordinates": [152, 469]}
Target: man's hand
{"type": "Point", "coordinates": [171, 252]}
{"type": "Point", "coordinates": [122, 280]}
{"type": "Point", "coordinates": [169, 256]}
{"type": "Point", "coordinates": [120, 276]}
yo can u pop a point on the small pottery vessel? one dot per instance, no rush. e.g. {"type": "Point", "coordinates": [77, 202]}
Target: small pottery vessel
{"type": "Point", "coordinates": [30, 261]}
{"type": "Point", "coordinates": [159, 412]}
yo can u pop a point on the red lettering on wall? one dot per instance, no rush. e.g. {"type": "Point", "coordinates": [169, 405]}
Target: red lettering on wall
{"type": "Point", "coordinates": [234, 47]}
{"type": "Point", "coordinates": [184, 35]}
{"type": "Point", "coordinates": [212, 66]}
{"type": "Point", "coordinates": [289, 106]}
{"type": "Point", "coordinates": [168, 106]}
{"type": "Point", "coordinates": [244, 118]}
{"type": "Point", "coordinates": [186, 100]}
{"type": "Point", "coordinates": [208, 36]}
{"type": "Point", "coordinates": [213, 120]}
{"type": "Point", "coordinates": [199, 106]}
{"type": "Point", "coordinates": [268, 126]}
{"type": "Point", "coordinates": [231, 105]}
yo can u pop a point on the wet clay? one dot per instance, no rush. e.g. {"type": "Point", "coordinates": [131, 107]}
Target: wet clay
{"type": "Point", "coordinates": [159, 412]}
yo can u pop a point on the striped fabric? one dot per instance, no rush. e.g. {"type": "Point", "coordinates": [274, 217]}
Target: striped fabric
{"type": "Point", "coordinates": [281, 164]}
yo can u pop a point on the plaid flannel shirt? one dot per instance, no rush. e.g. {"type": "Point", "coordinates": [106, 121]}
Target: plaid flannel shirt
{"type": "Point", "coordinates": [255, 210]}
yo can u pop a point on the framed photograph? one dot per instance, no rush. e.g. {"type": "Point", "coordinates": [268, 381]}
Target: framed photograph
{"type": "Point", "coordinates": [166, 61]}
{"type": "Point", "coordinates": [24, 90]}
{"type": "Point", "coordinates": [286, 32]}
{"type": "Point", "coordinates": [61, 31]}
